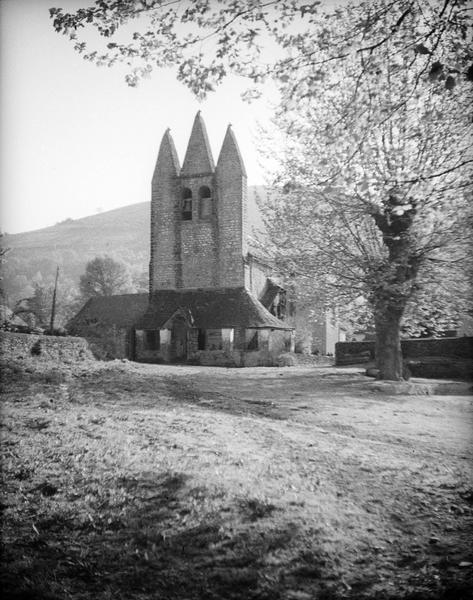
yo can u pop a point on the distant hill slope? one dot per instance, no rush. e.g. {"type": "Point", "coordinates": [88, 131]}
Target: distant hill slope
{"type": "Point", "coordinates": [123, 233]}
{"type": "Point", "coordinates": [99, 232]}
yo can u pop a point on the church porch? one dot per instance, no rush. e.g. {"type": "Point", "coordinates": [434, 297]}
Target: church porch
{"type": "Point", "coordinates": [223, 327]}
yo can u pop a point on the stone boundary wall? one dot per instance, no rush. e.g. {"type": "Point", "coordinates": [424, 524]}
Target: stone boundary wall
{"type": "Point", "coordinates": [23, 345]}
{"type": "Point", "coordinates": [461, 347]}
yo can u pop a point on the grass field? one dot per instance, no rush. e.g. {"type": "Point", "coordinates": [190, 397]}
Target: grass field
{"type": "Point", "coordinates": [183, 483]}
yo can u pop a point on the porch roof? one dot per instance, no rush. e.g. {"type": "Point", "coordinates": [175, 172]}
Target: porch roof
{"type": "Point", "coordinates": [212, 308]}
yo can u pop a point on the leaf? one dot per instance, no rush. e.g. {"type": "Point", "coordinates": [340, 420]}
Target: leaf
{"type": "Point", "coordinates": [450, 83]}
{"type": "Point", "coordinates": [469, 73]}
{"type": "Point", "coordinates": [421, 49]}
{"type": "Point", "coordinates": [435, 71]}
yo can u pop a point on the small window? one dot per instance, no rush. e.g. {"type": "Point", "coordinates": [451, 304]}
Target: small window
{"type": "Point", "coordinates": [152, 339]}
{"type": "Point", "coordinates": [214, 339]}
{"type": "Point", "coordinates": [201, 339]}
{"type": "Point", "coordinates": [205, 202]}
{"type": "Point", "coordinates": [186, 205]}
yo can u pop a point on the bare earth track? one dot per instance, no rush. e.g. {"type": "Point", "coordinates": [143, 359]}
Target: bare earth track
{"type": "Point", "coordinates": [142, 481]}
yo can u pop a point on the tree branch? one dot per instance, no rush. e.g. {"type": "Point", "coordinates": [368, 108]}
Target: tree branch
{"type": "Point", "coordinates": [450, 170]}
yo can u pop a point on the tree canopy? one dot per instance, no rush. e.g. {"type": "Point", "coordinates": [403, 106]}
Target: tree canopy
{"type": "Point", "coordinates": [206, 40]}
{"type": "Point", "coordinates": [373, 194]}
{"type": "Point", "coordinates": [105, 276]}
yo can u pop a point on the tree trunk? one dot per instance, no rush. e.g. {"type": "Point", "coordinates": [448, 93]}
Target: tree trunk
{"type": "Point", "coordinates": [393, 282]}
{"type": "Point", "coordinates": [388, 343]}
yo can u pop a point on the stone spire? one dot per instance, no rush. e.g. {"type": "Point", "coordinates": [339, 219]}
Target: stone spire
{"type": "Point", "coordinates": [164, 191]}
{"type": "Point", "coordinates": [198, 157]}
{"type": "Point", "coordinates": [167, 163]}
{"type": "Point", "coordinates": [230, 157]}
{"type": "Point", "coordinates": [230, 178]}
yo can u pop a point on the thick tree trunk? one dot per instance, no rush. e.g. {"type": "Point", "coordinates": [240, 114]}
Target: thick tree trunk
{"type": "Point", "coordinates": [393, 281]}
{"type": "Point", "coordinates": [388, 344]}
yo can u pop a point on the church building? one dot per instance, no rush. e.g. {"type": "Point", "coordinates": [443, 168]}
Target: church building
{"type": "Point", "coordinates": [211, 300]}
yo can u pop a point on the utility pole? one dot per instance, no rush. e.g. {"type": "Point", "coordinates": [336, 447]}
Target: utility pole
{"type": "Point", "coordinates": [53, 308]}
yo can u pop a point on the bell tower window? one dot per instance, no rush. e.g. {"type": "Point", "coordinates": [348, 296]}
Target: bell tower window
{"type": "Point", "coordinates": [186, 205]}
{"type": "Point", "coordinates": [205, 202]}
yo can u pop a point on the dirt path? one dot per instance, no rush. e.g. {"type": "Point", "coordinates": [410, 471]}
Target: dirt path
{"type": "Point", "coordinates": [193, 482]}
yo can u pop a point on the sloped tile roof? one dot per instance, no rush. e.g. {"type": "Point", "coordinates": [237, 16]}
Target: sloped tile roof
{"type": "Point", "coordinates": [122, 311]}
{"type": "Point", "coordinates": [209, 309]}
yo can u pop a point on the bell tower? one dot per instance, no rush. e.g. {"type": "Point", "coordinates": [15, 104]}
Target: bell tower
{"type": "Point", "coordinates": [198, 215]}
{"type": "Point", "coordinates": [198, 212]}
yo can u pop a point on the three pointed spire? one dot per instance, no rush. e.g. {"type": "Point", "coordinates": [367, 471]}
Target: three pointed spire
{"type": "Point", "coordinates": [230, 153]}
{"type": "Point", "coordinates": [168, 161]}
{"type": "Point", "coordinates": [198, 158]}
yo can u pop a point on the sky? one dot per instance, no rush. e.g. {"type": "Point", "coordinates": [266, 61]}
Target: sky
{"type": "Point", "coordinates": [76, 140]}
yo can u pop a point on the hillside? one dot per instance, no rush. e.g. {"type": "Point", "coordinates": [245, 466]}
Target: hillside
{"type": "Point", "coordinates": [33, 257]}
{"type": "Point", "coordinates": [100, 232]}
{"type": "Point", "coordinates": [122, 233]}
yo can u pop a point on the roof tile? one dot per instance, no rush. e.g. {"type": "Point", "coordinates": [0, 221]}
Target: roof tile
{"type": "Point", "coordinates": [210, 308]}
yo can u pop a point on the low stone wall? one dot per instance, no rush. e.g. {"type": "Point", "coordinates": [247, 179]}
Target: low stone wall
{"type": "Point", "coordinates": [107, 343]}
{"type": "Point", "coordinates": [461, 349]}
{"type": "Point", "coordinates": [350, 353]}
{"type": "Point", "coordinates": [23, 345]}
{"type": "Point", "coordinates": [440, 367]}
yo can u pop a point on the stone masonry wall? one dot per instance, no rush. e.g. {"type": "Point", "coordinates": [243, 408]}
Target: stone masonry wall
{"type": "Point", "coordinates": [164, 193]}
{"type": "Point", "coordinates": [108, 342]}
{"type": "Point", "coordinates": [163, 236]}
{"type": "Point", "coordinates": [205, 251]}
{"type": "Point", "coordinates": [232, 220]}
{"type": "Point", "coordinates": [452, 347]}
{"type": "Point", "coordinates": [232, 240]}
{"type": "Point", "coordinates": [198, 239]}
{"type": "Point", "coordinates": [22, 345]}
{"type": "Point", "coordinates": [256, 278]}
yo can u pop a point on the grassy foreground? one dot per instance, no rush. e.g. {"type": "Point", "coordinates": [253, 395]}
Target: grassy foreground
{"type": "Point", "coordinates": [183, 483]}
